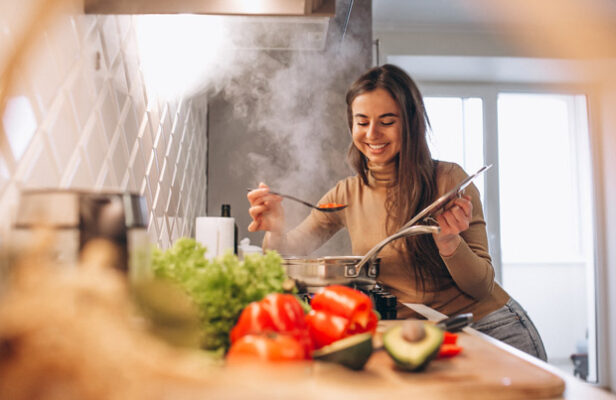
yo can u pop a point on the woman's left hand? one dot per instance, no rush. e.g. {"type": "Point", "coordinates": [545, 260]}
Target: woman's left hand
{"type": "Point", "coordinates": [454, 220]}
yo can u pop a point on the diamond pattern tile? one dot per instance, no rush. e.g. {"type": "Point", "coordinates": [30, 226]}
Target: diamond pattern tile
{"type": "Point", "coordinates": [124, 25]}
{"type": "Point", "coordinates": [111, 38]}
{"type": "Point", "coordinates": [108, 178]}
{"type": "Point", "coordinates": [145, 135]}
{"type": "Point", "coordinates": [119, 153]}
{"type": "Point", "coordinates": [152, 170]}
{"type": "Point", "coordinates": [109, 113]}
{"type": "Point", "coordinates": [43, 171]}
{"type": "Point", "coordinates": [67, 51]}
{"type": "Point", "coordinates": [95, 146]}
{"type": "Point", "coordinates": [120, 88]}
{"type": "Point", "coordinates": [44, 74]}
{"type": "Point", "coordinates": [98, 127]}
{"type": "Point", "coordinates": [79, 175]}
{"type": "Point", "coordinates": [79, 93]}
{"type": "Point", "coordinates": [63, 135]}
{"type": "Point", "coordinates": [131, 126]}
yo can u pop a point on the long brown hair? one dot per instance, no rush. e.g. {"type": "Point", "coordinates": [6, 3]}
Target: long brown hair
{"type": "Point", "coordinates": [416, 170]}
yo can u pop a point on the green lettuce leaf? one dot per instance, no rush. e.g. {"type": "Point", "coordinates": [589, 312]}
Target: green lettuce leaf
{"type": "Point", "coordinates": [220, 288]}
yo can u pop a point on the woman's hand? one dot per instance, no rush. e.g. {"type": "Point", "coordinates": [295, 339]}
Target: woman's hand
{"type": "Point", "coordinates": [266, 211]}
{"type": "Point", "coordinates": [454, 220]}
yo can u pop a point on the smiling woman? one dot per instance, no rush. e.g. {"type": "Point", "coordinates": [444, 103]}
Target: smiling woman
{"type": "Point", "coordinates": [451, 270]}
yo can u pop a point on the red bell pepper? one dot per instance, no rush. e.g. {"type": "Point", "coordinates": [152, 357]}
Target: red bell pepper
{"type": "Point", "coordinates": [373, 320]}
{"type": "Point", "coordinates": [449, 350]}
{"type": "Point", "coordinates": [253, 319]}
{"type": "Point", "coordinates": [344, 302]}
{"type": "Point", "coordinates": [285, 311]}
{"type": "Point", "coordinates": [450, 338]}
{"type": "Point", "coordinates": [266, 346]}
{"type": "Point", "coordinates": [337, 312]}
{"type": "Point", "coordinates": [280, 313]}
{"type": "Point", "coordinates": [326, 328]}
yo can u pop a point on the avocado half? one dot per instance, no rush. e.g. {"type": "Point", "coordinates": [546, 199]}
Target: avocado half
{"type": "Point", "coordinates": [413, 356]}
{"type": "Point", "coordinates": [353, 352]}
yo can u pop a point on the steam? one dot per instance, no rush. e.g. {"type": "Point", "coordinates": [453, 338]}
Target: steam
{"type": "Point", "coordinates": [291, 102]}
{"type": "Point", "coordinates": [294, 103]}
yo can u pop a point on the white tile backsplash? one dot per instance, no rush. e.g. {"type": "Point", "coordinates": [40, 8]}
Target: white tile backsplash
{"type": "Point", "coordinates": [94, 125]}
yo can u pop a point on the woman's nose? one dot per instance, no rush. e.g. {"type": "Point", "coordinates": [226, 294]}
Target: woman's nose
{"type": "Point", "coordinates": [372, 131]}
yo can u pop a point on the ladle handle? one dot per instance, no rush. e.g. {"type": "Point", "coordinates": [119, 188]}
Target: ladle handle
{"type": "Point", "coordinates": [353, 271]}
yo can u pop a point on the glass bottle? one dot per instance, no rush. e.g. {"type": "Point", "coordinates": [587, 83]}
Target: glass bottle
{"type": "Point", "coordinates": [226, 212]}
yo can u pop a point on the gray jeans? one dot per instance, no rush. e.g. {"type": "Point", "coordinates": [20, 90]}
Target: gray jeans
{"type": "Point", "coordinates": [512, 325]}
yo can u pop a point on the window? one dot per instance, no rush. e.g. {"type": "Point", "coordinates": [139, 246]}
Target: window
{"type": "Point", "coordinates": [456, 133]}
{"type": "Point", "coordinates": [546, 217]}
{"type": "Point", "coordinates": [541, 220]}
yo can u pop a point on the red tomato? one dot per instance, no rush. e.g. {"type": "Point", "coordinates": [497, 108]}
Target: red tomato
{"type": "Point", "coordinates": [269, 347]}
{"type": "Point", "coordinates": [449, 350]}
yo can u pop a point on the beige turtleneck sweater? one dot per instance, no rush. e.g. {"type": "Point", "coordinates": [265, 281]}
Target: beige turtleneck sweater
{"type": "Point", "coordinates": [472, 288]}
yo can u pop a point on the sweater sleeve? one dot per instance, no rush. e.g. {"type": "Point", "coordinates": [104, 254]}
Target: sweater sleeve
{"type": "Point", "coordinates": [470, 264]}
{"type": "Point", "coordinates": [317, 228]}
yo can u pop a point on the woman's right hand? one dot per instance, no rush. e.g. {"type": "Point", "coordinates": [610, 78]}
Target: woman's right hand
{"type": "Point", "coordinates": [266, 210]}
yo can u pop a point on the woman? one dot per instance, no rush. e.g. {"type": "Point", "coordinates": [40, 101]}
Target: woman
{"type": "Point", "coordinates": [396, 178]}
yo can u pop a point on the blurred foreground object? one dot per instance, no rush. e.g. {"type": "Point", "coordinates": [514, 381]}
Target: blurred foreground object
{"type": "Point", "coordinates": [77, 217]}
{"type": "Point", "coordinates": [72, 333]}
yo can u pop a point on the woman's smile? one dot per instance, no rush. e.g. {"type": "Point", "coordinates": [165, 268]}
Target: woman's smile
{"type": "Point", "coordinates": [377, 148]}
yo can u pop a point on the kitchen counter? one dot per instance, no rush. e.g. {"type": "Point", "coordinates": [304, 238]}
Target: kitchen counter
{"type": "Point", "coordinates": [574, 388]}
{"type": "Point", "coordinates": [486, 369]}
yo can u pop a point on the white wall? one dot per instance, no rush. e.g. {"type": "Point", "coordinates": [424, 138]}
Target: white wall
{"type": "Point", "coordinates": [95, 125]}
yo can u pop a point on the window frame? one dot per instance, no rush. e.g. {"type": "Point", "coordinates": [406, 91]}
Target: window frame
{"type": "Point", "coordinates": [488, 92]}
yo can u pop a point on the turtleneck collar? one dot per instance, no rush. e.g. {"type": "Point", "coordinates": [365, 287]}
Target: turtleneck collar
{"type": "Point", "coordinates": [383, 175]}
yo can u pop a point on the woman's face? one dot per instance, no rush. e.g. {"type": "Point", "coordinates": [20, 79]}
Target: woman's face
{"type": "Point", "coordinates": [377, 128]}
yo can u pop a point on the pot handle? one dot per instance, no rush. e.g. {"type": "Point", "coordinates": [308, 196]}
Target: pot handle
{"type": "Point", "coordinates": [352, 271]}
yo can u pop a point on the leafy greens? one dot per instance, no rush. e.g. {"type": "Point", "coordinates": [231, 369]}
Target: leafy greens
{"type": "Point", "coordinates": [220, 287]}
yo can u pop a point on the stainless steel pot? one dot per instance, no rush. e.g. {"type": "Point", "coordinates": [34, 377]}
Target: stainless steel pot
{"type": "Point", "coordinates": [313, 273]}
{"type": "Point", "coordinates": [78, 216]}
{"type": "Point", "coordinates": [355, 271]}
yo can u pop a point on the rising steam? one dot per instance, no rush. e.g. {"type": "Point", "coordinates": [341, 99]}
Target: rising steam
{"type": "Point", "coordinates": [290, 99]}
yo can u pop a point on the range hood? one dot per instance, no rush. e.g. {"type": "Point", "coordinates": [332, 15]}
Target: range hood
{"type": "Point", "coordinates": [323, 8]}
{"type": "Point", "coordinates": [274, 24]}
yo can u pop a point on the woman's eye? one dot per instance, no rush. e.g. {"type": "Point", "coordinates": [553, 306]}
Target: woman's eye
{"type": "Point", "coordinates": [361, 123]}
{"type": "Point", "coordinates": [387, 123]}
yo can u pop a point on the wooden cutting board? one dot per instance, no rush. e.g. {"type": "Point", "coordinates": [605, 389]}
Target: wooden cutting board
{"type": "Point", "coordinates": [481, 371]}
